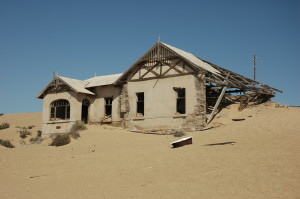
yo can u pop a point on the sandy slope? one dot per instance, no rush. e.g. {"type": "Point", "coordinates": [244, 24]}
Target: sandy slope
{"type": "Point", "coordinates": [109, 162]}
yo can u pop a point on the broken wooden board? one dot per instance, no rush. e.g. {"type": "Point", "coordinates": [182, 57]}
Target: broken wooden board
{"type": "Point", "coordinates": [182, 142]}
{"type": "Point", "coordinates": [238, 119]}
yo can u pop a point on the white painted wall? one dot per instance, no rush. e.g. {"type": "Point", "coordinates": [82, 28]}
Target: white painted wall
{"type": "Point", "coordinates": [96, 108]}
{"type": "Point", "coordinates": [75, 112]}
{"type": "Point", "coordinates": [160, 102]}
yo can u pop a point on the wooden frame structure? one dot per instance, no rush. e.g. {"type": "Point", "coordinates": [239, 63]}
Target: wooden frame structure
{"type": "Point", "coordinates": [161, 59]}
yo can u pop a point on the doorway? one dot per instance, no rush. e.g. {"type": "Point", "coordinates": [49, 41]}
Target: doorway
{"type": "Point", "coordinates": [85, 111]}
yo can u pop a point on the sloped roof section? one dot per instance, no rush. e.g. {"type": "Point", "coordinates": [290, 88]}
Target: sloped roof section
{"type": "Point", "coordinates": [81, 86]}
{"type": "Point", "coordinates": [102, 80]}
{"type": "Point", "coordinates": [76, 84]}
{"type": "Point", "coordinates": [193, 59]}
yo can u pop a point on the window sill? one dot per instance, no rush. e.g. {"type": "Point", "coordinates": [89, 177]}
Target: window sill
{"type": "Point", "coordinates": [138, 118]}
{"type": "Point", "coordinates": [58, 121]}
{"type": "Point", "coordinates": [180, 116]}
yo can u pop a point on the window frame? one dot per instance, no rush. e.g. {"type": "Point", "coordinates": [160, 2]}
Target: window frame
{"type": "Point", "coordinates": [180, 99]}
{"type": "Point", "coordinates": [106, 105]}
{"type": "Point", "coordinates": [56, 111]}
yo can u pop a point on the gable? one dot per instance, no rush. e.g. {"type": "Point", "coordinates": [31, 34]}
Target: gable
{"type": "Point", "coordinates": [55, 86]}
{"type": "Point", "coordinates": [64, 84]}
{"type": "Point", "coordinates": [158, 62]}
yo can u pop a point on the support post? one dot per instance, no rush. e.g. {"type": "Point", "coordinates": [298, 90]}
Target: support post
{"type": "Point", "coordinates": [217, 105]}
{"type": "Point", "coordinates": [254, 60]}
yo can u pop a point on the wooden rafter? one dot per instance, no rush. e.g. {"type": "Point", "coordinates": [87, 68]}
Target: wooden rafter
{"type": "Point", "coordinates": [151, 70]}
{"type": "Point", "coordinates": [172, 66]}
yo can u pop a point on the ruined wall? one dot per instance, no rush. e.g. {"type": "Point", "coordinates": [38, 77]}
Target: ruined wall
{"type": "Point", "coordinates": [123, 105]}
{"type": "Point", "coordinates": [197, 120]}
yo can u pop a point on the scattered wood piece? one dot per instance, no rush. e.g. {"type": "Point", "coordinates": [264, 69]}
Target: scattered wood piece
{"type": "Point", "coordinates": [207, 128]}
{"type": "Point", "coordinates": [182, 142]}
{"type": "Point", "coordinates": [221, 143]}
{"type": "Point", "coordinates": [37, 176]}
{"type": "Point", "coordinates": [238, 119]}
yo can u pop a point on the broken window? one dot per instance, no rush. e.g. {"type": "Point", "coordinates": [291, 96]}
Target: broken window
{"type": "Point", "coordinates": [140, 104]}
{"type": "Point", "coordinates": [108, 106]}
{"type": "Point", "coordinates": [180, 100]}
{"type": "Point", "coordinates": [60, 110]}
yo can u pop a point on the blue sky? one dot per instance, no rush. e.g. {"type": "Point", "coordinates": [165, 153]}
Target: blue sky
{"type": "Point", "coordinates": [80, 38]}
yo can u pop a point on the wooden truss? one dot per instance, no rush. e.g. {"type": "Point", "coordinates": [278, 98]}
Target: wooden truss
{"type": "Point", "coordinates": [55, 86]}
{"type": "Point", "coordinates": [162, 61]}
{"type": "Point", "coordinates": [235, 80]}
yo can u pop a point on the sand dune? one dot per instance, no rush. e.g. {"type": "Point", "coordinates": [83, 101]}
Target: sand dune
{"type": "Point", "coordinates": [254, 158]}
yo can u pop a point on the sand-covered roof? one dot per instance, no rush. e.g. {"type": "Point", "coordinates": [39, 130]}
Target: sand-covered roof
{"type": "Point", "coordinates": [76, 84]}
{"type": "Point", "coordinates": [81, 86]}
{"type": "Point", "coordinates": [192, 58]}
{"type": "Point", "coordinates": [102, 80]}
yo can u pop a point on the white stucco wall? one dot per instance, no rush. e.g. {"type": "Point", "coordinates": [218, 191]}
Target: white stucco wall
{"type": "Point", "coordinates": [60, 126]}
{"type": "Point", "coordinates": [97, 110]}
{"type": "Point", "coordinates": [160, 102]}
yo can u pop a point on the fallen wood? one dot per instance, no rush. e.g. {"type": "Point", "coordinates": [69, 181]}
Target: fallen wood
{"type": "Point", "coordinates": [217, 104]}
{"type": "Point", "coordinates": [221, 143]}
{"type": "Point", "coordinates": [182, 142]}
{"type": "Point", "coordinates": [37, 176]}
{"type": "Point", "coordinates": [207, 128]}
{"type": "Point", "coordinates": [238, 119]}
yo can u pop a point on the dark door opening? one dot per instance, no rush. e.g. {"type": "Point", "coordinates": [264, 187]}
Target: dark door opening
{"type": "Point", "coordinates": [85, 111]}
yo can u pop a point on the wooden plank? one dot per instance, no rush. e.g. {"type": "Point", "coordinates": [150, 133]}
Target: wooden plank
{"type": "Point", "coordinates": [217, 104]}
{"type": "Point", "coordinates": [172, 67]}
{"type": "Point", "coordinates": [149, 78]}
{"type": "Point", "coordinates": [149, 70]}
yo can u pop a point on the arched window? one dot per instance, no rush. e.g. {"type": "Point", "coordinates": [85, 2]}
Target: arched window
{"type": "Point", "coordinates": [60, 110]}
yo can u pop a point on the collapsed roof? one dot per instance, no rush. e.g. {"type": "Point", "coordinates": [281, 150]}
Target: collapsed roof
{"type": "Point", "coordinates": [213, 73]}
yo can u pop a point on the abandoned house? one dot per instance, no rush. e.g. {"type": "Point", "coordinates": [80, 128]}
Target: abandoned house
{"type": "Point", "coordinates": [167, 88]}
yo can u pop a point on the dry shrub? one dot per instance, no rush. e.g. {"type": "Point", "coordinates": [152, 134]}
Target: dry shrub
{"type": "Point", "coordinates": [24, 133]}
{"type": "Point", "coordinates": [39, 133]}
{"type": "Point", "coordinates": [179, 134]}
{"type": "Point", "coordinates": [61, 139]}
{"type": "Point", "coordinates": [78, 126]}
{"type": "Point", "coordinates": [36, 140]}
{"type": "Point", "coordinates": [74, 134]}
{"type": "Point", "coordinates": [6, 143]}
{"type": "Point", "coordinates": [30, 127]}
{"type": "Point", "coordinates": [4, 126]}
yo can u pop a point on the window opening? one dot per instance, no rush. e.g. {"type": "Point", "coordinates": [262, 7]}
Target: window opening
{"type": "Point", "coordinates": [108, 106]}
{"type": "Point", "coordinates": [60, 110]}
{"type": "Point", "coordinates": [140, 104]}
{"type": "Point", "coordinates": [180, 100]}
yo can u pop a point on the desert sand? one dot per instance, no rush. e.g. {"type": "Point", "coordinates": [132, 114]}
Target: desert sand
{"type": "Point", "coordinates": [260, 160]}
